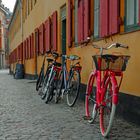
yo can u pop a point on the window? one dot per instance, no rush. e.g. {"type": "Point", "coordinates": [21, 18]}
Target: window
{"type": "Point", "coordinates": [20, 52]}
{"type": "Point", "coordinates": [70, 10]}
{"type": "Point", "coordinates": [47, 35]}
{"type": "Point", "coordinates": [54, 31]}
{"type": "Point", "coordinates": [24, 47]}
{"type": "Point", "coordinates": [82, 21]}
{"type": "Point", "coordinates": [96, 18]}
{"type": "Point", "coordinates": [106, 17]}
{"type": "Point", "coordinates": [37, 41]}
{"type": "Point", "coordinates": [76, 21]}
{"type": "Point", "coordinates": [32, 45]}
{"type": "Point", "coordinates": [41, 39]}
{"type": "Point", "coordinates": [132, 14]}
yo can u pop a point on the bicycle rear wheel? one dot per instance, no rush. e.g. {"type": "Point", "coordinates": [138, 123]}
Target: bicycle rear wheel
{"type": "Point", "coordinates": [59, 85]}
{"type": "Point", "coordinates": [90, 99]}
{"type": "Point", "coordinates": [50, 88]}
{"type": "Point", "coordinates": [44, 85]}
{"type": "Point", "coordinates": [108, 108]}
{"type": "Point", "coordinates": [73, 87]}
{"type": "Point", "coordinates": [39, 80]}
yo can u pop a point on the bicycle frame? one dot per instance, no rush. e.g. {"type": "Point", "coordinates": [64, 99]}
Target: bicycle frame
{"type": "Point", "coordinates": [53, 72]}
{"type": "Point", "coordinates": [105, 96]}
{"type": "Point", "coordinates": [43, 66]}
{"type": "Point", "coordinates": [101, 78]}
{"type": "Point", "coordinates": [66, 76]}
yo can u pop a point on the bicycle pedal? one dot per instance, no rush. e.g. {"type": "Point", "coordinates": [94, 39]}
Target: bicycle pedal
{"type": "Point", "coordinates": [86, 117]}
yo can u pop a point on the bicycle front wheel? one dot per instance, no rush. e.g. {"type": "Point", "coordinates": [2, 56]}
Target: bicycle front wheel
{"type": "Point", "coordinates": [90, 99]}
{"type": "Point", "coordinates": [108, 108]}
{"type": "Point", "coordinates": [73, 87]}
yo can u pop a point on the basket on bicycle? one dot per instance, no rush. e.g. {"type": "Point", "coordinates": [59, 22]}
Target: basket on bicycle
{"type": "Point", "coordinates": [115, 63]}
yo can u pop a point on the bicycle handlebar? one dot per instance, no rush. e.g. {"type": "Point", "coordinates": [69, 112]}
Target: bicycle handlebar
{"type": "Point", "coordinates": [54, 54]}
{"type": "Point", "coordinates": [117, 45]}
{"type": "Point", "coordinates": [71, 57]}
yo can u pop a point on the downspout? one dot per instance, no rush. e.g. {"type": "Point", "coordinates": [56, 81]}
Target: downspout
{"type": "Point", "coordinates": [21, 25]}
{"type": "Point", "coordinates": [21, 20]}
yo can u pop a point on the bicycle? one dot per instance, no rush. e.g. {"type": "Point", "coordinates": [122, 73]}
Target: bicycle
{"type": "Point", "coordinates": [41, 76]}
{"type": "Point", "coordinates": [103, 88]}
{"type": "Point", "coordinates": [69, 82]}
{"type": "Point", "coordinates": [50, 79]}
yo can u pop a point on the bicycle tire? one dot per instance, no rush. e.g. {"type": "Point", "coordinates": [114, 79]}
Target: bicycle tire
{"type": "Point", "coordinates": [73, 91]}
{"type": "Point", "coordinates": [90, 99]}
{"type": "Point", "coordinates": [43, 89]}
{"type": "Point", "coordinates": [49, 92]}
{"type": "Point", "coordinates": [39, 80]}
{"type": "Point", "coordinates": [59, 85]}
{"type": "Point", "coordinates": [107, 110]}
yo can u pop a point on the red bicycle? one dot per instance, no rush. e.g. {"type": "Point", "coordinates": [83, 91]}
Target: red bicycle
{"type": "Point", "coordinates": [103, 87]}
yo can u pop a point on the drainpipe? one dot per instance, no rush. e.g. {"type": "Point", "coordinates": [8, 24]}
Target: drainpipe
{"type": "Point", "coordinates": [21, 19]}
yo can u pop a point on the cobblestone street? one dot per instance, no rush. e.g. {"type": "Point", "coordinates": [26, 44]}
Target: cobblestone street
{"type": "Point", "coordinates": [24, 116]}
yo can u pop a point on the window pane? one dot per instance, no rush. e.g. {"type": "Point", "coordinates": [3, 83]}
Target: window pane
{"type": "Point", "coordinates": [76, 21]}
{"type": "Point", "coordinates": [96, 18]}
{"type": "Point", "coordinates": [130, 12]}
{"type": "Point", "coordinates": [137, 11]}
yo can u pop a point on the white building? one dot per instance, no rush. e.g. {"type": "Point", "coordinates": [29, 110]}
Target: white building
{"type": "Point", "coordinates": [5, 16]}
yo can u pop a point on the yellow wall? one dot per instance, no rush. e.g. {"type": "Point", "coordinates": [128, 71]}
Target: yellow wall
{"type": "Point", "coordinates": [131, 79]}
{"type": "Point", "coordinates": [44, 8]}
{"type": "Point", "coordinates": [40, 12]}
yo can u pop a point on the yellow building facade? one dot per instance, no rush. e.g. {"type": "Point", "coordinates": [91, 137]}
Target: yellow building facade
{"type": "Point", "coordinates": [60, 25]}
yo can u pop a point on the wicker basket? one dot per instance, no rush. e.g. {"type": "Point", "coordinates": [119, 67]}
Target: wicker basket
{"type": "Point", "coordinates": [115, 63]}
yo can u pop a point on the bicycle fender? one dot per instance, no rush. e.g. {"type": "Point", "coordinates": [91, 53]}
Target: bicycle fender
{"type": "Point", "coordinates": [115, 89]}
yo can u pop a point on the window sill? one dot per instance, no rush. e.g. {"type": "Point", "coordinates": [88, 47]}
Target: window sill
{"type": "Point", "coordinates": [130, 30]}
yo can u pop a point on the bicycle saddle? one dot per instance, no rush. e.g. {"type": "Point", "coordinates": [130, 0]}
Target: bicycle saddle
{"type": "Point", "coordinates": [57, 64]}
{"type": "Point", "coordinates": [55, 55]}
{"type": "Point", "coordinates": [49, 60]}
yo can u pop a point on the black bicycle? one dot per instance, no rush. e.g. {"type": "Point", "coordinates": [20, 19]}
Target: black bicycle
{"type": "Point", "coordinates": [50, 79]}
{"type": "Point", "coordinates": [42, 73]}
{"type": "Point", "coordinates": [69, 81]}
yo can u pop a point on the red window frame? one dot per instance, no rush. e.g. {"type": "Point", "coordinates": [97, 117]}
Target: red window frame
{"type": "Point", "coordinates": [37, 41]}
{"type": "Point", "coordinates": [70, 23]}
{"type": "Point", "coordinates": [32, 45]}
{"type": "Point", "coordinates": [54, 31]}
{"type": "Point", "coordinates": [47, 35]}
{"type": "Point", "coordinates": [109, 17]}
{"type": "Point", "coordinates": [41, 39]}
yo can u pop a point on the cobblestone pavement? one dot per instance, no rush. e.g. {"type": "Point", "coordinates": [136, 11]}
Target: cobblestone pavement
{"type": "Point", "coordinates": [24, 116]}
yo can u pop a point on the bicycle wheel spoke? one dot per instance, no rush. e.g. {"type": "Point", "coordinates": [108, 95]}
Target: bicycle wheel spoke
{"type": "Point", "coordinates": [90, 100]}
{"type": "Point", "coordinates": [59, 85]}
{"type": "Point", "coordinates": [107, 110]}
{"type": "Point", "coordinates": [73, 88]}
